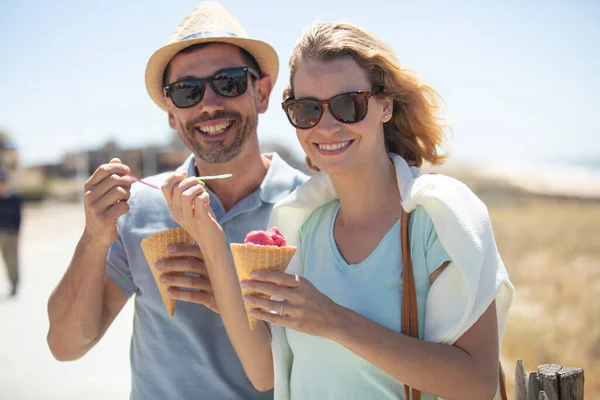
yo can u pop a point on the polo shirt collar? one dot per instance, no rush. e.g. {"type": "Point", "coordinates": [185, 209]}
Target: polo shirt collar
{"type": "Point", "coordinates": [277, 184]}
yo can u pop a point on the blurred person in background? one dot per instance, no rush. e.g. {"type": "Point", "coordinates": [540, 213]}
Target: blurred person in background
{"type": "Point", "coordinates": [11, 204]}
{"type": "Point", "coordinates": [213, 82]}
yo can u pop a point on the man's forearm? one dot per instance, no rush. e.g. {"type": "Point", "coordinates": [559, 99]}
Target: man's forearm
{"type": "Point", "coordinates": [75, 307]}
{"type": "Point", "coordinates": [253, 347]}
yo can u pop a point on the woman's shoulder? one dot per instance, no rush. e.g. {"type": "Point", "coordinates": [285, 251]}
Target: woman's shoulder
{"type": "Point", "coordinates": [448, 192]}
{"type": "Point", "coordinates": [420, 223]}
{"type": "Point", "coordinates": [420, 216]}
{"type": "Point", "coordinates": [319, 215]}
{"type": "Point", "coordinates": [323, 211]}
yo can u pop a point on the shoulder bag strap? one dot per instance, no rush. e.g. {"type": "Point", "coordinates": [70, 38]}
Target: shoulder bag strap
{"type": "Point", "coordinates": [410, 316]}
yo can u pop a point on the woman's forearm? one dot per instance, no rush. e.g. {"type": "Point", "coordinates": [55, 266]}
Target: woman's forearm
{"type": "Point", "coordinates": [446, 371]}
{"type": "Point", "coordinates": [253, 347]}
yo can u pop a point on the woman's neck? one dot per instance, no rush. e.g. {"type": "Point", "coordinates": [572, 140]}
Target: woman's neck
{"type": "Point", "coordinates": [372, 189]}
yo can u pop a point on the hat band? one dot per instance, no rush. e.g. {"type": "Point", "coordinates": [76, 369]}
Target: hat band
{"type": "Point", "coordinates": [208, 34]}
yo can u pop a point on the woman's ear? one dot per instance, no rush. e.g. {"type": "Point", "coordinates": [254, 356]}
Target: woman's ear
{"type": "Point", "coordinates": [388, 109]}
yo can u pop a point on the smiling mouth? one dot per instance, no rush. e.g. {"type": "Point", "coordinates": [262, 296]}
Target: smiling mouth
{"type": "Point", "coordinates": [333, 148]}
{"type": "Point", "coordinates": [215, 130]}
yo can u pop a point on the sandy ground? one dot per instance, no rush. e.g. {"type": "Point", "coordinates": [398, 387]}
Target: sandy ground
{"type": "Point", "coordinates": [27, 368]}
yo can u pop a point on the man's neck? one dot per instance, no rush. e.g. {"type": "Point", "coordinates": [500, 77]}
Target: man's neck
{"type": "Point", "coordinates": [248, 172]}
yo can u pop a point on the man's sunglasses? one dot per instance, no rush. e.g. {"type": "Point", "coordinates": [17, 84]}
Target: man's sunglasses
{"type": "Point", "coordinates": [349, 108]}
{"type": "Point", "coordinates": [231, 82]}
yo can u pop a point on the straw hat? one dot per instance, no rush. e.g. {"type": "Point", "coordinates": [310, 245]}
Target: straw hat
{"type": "Point", "coordinates": [208, 22]}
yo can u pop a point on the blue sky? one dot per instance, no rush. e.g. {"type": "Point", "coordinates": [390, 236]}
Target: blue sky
{"type": "Point", "coordinates": [520, 79]}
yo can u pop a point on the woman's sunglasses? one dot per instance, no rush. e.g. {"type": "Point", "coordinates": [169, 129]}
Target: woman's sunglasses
{"type": "Point", "coordinates": [231, 82]}
{"type": "Point", "coordinates": [348, 108]}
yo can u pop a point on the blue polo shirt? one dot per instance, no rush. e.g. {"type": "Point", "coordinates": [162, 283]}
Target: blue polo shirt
{"type": "Point", "coordinates": [189, 355]}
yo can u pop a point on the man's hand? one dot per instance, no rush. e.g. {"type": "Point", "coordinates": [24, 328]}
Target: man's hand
{"type": "Point", "coordinates": [194, 289]}
{"type": "Point", "coordinates": [106, 195]}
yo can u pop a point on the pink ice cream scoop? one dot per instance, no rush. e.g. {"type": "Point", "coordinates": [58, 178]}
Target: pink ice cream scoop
{"type": "Point", "coordinates": [271, 237]}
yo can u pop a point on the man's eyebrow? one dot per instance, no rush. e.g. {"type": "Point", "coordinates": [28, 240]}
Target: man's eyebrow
{"type": "Point", "coordinates": [193, 77]}
{"type": "Point", "coordinates": [186, 77]}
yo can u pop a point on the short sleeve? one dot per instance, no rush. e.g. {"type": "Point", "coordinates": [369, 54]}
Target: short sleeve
{"type": "Point", "coordinates": [117, 268]}
{"type": "Point", "coordinates": [435, 255]}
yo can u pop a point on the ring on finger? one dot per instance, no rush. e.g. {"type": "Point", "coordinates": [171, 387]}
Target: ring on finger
{"type": "Point", "coordinates": [281, 309]}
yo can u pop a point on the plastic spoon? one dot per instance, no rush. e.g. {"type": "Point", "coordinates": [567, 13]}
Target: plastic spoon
{"type": "Point", "coordinates": [200, 178]}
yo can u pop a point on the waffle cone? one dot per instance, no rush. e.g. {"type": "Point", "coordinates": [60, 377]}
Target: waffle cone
{"type": "Point", "coordinates": [155, 248]}
{"type": "Point", "coordinates": [248, 258]}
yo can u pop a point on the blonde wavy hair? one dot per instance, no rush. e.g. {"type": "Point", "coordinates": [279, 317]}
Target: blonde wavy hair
{"type": "Point", "coordinates": [416, 131]}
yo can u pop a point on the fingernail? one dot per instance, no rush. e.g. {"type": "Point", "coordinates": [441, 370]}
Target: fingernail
{"type": "Point", "coordinates": [244, 283]}
{"type": "Point", "coordinates": [163, 279]}
{"type": "Point", "coordinates": [255, 274]}
{"type": "Point", "coordinates": [171, 248]}
{"type": "Point", "coordinates": [159, 264]}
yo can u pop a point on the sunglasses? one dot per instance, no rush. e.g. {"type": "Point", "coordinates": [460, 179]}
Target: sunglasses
{"type": "Point", "coordinates": [231, 82]}
{"type": "Point", "coordinates": [348, 108]}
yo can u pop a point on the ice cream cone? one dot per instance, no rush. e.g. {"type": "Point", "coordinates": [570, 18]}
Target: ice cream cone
{"type": "Point", "coordinates": [155, 248]}
{"type": "Point", "coordinates": [250, 257]}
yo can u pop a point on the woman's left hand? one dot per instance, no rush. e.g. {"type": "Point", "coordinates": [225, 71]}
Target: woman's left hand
{"type": "Point", "coordinates": [304, 308]}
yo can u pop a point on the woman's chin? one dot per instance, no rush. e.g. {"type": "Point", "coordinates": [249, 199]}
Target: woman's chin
{"type": "Point", "coordinates": [335, 169]}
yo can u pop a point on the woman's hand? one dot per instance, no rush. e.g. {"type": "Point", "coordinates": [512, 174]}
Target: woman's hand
{"type": "Point", "coordinates": [189, 204]}
{"type": "Point", "coordinates": [304, 308]}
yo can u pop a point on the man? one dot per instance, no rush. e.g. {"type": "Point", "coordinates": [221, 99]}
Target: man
{"type": "Point", "coordinates": [213, 81]}
{"type": "Point", "coordinates": [10, 223]}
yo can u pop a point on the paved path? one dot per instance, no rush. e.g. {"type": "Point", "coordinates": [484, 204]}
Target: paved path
{"type": "Point", "coordinates": [27, 369]}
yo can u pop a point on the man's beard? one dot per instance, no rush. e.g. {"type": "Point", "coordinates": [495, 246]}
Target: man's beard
{"type": "Point", "coordinates": [217, 151]}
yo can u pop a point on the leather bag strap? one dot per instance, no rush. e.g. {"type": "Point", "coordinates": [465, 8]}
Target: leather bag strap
{"type": "Point", "coordinates": [410, 315]}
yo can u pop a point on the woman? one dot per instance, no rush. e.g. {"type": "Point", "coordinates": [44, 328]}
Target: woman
{"type": "Point", "coordinates": [367, 124]}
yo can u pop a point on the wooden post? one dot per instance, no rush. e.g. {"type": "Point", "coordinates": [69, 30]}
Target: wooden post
{"type": "Point", "coordinates": [571, 382]}
{"type": "Point", "coordinates": [534, 386]}
{"type": "Point", "coordinates": [550, 382]}
{"type": "Point", "coordinates": [521, 382]}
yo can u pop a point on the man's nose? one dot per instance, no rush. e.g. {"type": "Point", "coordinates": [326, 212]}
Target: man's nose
{"type": "Point", "coordinates": [211, 101]}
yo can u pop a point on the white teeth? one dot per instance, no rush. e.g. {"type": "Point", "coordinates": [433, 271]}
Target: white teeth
{"type": "Point", "coordinates": [331, 147]}
{"type": "Point", "coordinates": [215, 129]}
